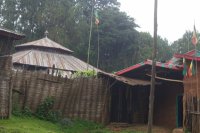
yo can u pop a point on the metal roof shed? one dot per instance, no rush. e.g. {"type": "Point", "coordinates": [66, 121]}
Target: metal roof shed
{"type": "Point", "coordinates": [6, 40]}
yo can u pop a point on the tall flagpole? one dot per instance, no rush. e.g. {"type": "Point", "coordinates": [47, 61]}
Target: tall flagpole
{"type": "Point", "coordinates": [194, 42]}
{"type": "Point", "coordinates": [98, 46]}
{"type": "Point", "coordinates": [152, 91]}
{"type": "Point", "coordinates": [197, 79]}
{"type": "Point", "coordinates": [90, 35]}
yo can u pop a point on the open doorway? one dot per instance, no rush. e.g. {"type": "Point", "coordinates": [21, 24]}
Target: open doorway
{"type": "Point", "coordinates": [179, 103]}
{"type": "Point", "coordinates": [129, 104]}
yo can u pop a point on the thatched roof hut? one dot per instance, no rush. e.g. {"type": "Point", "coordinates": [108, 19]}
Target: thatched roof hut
{"type": "Point", "coordinates": [45, 54]}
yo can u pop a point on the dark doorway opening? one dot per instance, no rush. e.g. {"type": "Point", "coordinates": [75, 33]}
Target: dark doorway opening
{"type": "Point", "coordinates": [180, 111]}
{"type": "Point", "coordinates": [129, 104]}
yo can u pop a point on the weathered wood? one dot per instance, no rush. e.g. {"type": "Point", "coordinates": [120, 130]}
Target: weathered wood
{"type": "Point", "coordinates": [82, 97]}
{"type": "Point", "coordinates": [5, 86]}
{"type": "Point", "coordinates": [10, 99]}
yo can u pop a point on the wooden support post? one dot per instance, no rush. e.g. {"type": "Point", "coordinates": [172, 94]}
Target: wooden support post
{"type": "Point", "coordinates": [10, 98]}
{"type": "Point", "coordinates": [151, 97]}
{"type": "Point", "coordinates": [25, 94]}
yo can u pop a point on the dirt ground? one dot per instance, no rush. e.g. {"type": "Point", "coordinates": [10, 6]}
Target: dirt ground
{"type": "Point", "coordinates": [117, 127]}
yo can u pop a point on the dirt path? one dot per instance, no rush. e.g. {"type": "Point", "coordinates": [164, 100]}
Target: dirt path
{"type": "Point", "coordinates": [117, 127]}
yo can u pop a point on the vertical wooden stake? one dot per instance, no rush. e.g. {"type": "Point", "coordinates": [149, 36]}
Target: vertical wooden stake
{"type": "Point", "coordinates": [10, 99]}
{"type": "Point", "coordinates": [151, 97]}
{"type": "Point", "coordinates": [90, 35]}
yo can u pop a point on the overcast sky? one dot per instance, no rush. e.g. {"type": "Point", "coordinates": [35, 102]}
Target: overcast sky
{"type": "Point", "coordinates": [174, 16]}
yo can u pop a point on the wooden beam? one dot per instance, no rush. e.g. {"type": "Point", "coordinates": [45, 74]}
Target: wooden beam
{"type": "Point", "coordinates": [166, 79]}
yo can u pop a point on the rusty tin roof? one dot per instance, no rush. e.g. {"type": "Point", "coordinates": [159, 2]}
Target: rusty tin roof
{"type": "Point", "coordinates": [44, 43]}
{"type": "Point", "coordinates": [47, 59]}
{"type": "Point", "coordinates": [11, 34]}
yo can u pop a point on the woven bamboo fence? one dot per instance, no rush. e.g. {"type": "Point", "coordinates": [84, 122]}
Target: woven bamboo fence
{"type": "Point", "coordinates": [191, 105]}
{"type": "Point", "coordinates": [85, 98]}
{"type": "Point", "coordinates": [5, 86]}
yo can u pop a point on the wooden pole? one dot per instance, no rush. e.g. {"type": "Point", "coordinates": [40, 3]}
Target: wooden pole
{"type": "Point", "coordinates": [90, 35]}
{"type": "Point", "coordinates": [98, 47]}
{"type": "Point", "coordinates": [10, 98]}
{"type": "Point", "coordinates": [151, 97]}
{"type": "Point", "coordinates": [197, 79]}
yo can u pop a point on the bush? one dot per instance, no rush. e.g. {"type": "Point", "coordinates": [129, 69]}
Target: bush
{"type": "Point", "coordinates": [26, 112]}
{"type": "Point", "coordinates": [66, 122]}
{"type": "Point", "coordinates": [21, 112]}
{"type": "Point", "coordinates": [16, 110]}
{"type": "Point", "coordinates": [45, 112]}
{"type": "Point", "coordinates": [88, 73]}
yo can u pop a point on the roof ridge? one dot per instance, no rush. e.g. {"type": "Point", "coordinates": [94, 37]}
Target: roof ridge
{"type": "Point", "coordinates": [45, 42]}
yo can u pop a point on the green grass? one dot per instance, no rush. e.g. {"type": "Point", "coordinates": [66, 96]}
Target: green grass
{"type": "Point", "coordinates": [35, 125]}
{"type": "Point", "coordinates": [28, 125]}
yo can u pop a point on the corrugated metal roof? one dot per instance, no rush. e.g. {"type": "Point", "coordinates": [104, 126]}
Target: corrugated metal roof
{"type": "Point", "coordinates": [48, 59]}
{"type": "Point", "coordinates": [126, 80]}
{"type": "Point", "coordinates": [11, 34]}
{"type": "Point", "coordinates": [167, 65]}
{"type": "Point", "coordinates": [44, 42]}
{"type": "Point", "coordinates": [191, 55]}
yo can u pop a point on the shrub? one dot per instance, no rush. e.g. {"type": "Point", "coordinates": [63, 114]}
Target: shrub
{"type": "Point", "coordinates": [17, 111]}
{"type": "Point", "coordinates": [44, 108]}
{"type": "Point", "coordinates": [66, 122]}
{"type": "Point", "coordinates": [27, 112]}
{"type": "Point", "coordinates": [45, 112]}
{"type": "Point", "coordinates": [88, 73]}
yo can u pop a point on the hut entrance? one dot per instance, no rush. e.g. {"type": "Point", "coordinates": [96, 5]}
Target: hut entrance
{"type": "Point", "coordinates": [179, 110]}
{"type": "Point", "coordinates": [129, 104]}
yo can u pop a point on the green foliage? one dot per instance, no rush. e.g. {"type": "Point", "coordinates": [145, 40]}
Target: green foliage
{"type": "Point", "coordinates": [45, 112]}
{"type": "Point", "coordinates": [35, 125]}
{"type": "Point", "coordinates": [27, 112]}
{"type": "Point", "coordinates": [88, 73]}
{"type": "Point", "coordinates": [68, 23]}
{"type": "Point", "coordinates": [184, 44]}
{"type": "Point", "coordinates": [66, 122]}
{"type": "Point", "coordinates": [28, 125]}
{"type": "Point", "coordinates": [78, 125]}
{"type": "Point", "coordinates": [17, 111]}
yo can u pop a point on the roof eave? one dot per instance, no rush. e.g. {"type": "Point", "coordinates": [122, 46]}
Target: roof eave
{"type": "Point", "coordinates": [11, 34]}
{"type": "Point", "coordinates": [187, 57]}
{"type": "Point", "coordinates": [145, 63]}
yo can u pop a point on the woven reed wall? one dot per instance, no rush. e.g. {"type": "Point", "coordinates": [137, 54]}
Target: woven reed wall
{"type": "Point", "coordinates": [190, 103]}
{"type": "Point", "coordinates": [86, 98]}
{"type": "Point", "coordinates": [5, 74]}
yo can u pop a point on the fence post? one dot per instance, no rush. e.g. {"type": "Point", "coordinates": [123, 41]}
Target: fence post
{"type": "Point", "coordinates": [10, 98]}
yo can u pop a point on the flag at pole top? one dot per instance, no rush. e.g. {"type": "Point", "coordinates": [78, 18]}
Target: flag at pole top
{"type": "Point", "coordinates": [96, 17]}
{"type": "Point", "coordinates": [194, 37]}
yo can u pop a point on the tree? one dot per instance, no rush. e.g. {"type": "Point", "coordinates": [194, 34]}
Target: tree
{"type": "Point", "coordinates": [68, 23]}
{"type": "Point", "coordinates": [184, 44]}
